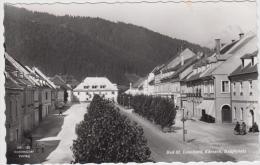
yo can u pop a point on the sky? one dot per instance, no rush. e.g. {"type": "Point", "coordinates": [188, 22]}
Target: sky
{"type": "Point", "coordinates": [199, 23]}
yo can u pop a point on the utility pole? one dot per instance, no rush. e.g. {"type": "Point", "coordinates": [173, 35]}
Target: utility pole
{"type": "Point", "coordinates": [183, 125]}
{"type": "Point", "coordinates": [129, 102]}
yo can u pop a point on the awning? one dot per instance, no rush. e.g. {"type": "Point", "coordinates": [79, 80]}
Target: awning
{"type": "Point", "coordinates": [208, 105]}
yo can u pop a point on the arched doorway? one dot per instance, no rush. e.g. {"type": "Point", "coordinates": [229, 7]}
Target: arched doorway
{"type": "Point", "coordinates": [252, 116]}
{"type": "Point", "coordinates": [226, 114]}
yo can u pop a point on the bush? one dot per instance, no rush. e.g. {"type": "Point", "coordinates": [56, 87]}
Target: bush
{"type": "Point", "coordinates": [107, 136]}
{"type": "Point", "coordinates": [156, 109]}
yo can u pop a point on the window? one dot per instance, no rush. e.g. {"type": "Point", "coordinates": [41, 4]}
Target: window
{"type": "Point", "coordinates": [46, 95]}
{"type": "Point", "coordinates": [241, 86]}
{"type": "Point", "coordinates": [102, 86]}
{"type": "Point", "coordinates": [234, 87]}
{"type": "Point", "coordinates": [86, 87]}
{"type": "Point", "coordinates": [113, 93]}
{"type": "Point", "coordinates": [86, 93]}
{"type": "Point", "coordinates": [235, 112]}
{"type": "Point", "coordinates": [250, 84]}
{"type": "Point", "coordinates": [242, 114]}
{"type": "Point", "coordinates": [94, 86]}
{"type": "Point", "coordinates": [225, 86]}
{"type": "Point", "coordinates": [78, 93]}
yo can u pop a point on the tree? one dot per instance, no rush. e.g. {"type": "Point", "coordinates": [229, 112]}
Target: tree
{"type": "Point", "coordinates": [106, 136]}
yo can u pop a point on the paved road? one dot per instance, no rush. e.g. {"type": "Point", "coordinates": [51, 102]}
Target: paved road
{"type": "Point", "coordinates": [201, 137]}
{"type": "Point", "coordinates": [63, 154]}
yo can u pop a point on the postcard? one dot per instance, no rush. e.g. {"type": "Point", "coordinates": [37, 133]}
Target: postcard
{"type": "Point", "coordinates": [130, 81]}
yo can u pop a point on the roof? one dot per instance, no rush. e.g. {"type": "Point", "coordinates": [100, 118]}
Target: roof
{"type": "Point", "coordinates": [139, 82]}
{"type": "Point", "coordinates": [240, 70]}
{"type": "Point", "coordinates": [44, 77]}
{"type": "Point", "coordinates": [227, 47]}
{"type": "Point", "coordinates": [11, 83]}
{"type": "Point", "coordinates": [58, 81]}
{"type": "Point", "coordinates": [96, 81]}
{"type": "Point", "coordinates": [250, 55]}
{"type": "Point", "coordinates": [188, 63]}
{"type": "Point", "coordinates": [20, 68]}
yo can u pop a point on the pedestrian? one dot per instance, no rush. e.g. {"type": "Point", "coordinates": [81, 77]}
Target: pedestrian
{"type": "Point", "coordinates": [31, 140]}
{"type": "Point", "coordinates": [237, 128]}
{"type": "Point", "coordinates": [243, 128]}
{"type": "Point", "coordinates": [60, 111]}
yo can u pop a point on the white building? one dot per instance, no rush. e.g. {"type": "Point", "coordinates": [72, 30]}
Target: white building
{"type": "Point", "coordinates": [90, 86]}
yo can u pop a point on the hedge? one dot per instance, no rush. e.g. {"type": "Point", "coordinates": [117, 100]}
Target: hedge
{"type": "Point", "coordinates": [107, 136]}
{"type": "Point", "coordinates": [161, 111]}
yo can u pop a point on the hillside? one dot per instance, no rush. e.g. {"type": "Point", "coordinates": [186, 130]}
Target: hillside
{"type": "Point", "coordinates": [84, 46]}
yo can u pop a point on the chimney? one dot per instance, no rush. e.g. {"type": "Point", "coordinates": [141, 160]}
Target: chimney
{"type": "Point", "coordinates": [130, 86]}
{"type": "Point", "coordinates": [217, 46]}
{"type": "Point", "coordinates": [182, 60]}
{"type": "Point", "coordinates": [241, 35]}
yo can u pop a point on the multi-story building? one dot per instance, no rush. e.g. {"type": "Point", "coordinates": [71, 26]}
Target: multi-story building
{"type": "Point", "coordinates": [13, 102]}
{"type": "Point", "coordinates": [208, 88]}
{"type": "Point", "coordinates": [90, 86]}
{"type": "Point", "coordinates": [63, 91]}
{"type": "Point", "coordinates": [244, 91]}
{"type": "Point", "coordinates": [46, 93]}
{"type": "Point", "coordinates": [167, 77]}
{"type": "Point", "coordinates": [29, 84]}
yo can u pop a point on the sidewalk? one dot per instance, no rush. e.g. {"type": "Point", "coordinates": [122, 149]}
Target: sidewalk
{"type": "Point", "coordinates": [43, 145]}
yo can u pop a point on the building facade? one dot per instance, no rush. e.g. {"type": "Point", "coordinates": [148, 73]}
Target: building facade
{"type": "Point", "coordinates": [208, 88]}
{"type": "Point", "coordinates": [244, 91]}
{"type": "Point", "coordinates": [91, 86]}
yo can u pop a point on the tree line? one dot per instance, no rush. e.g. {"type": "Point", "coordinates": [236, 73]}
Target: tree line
{"type": "Point", "coordinates": [158, 110]}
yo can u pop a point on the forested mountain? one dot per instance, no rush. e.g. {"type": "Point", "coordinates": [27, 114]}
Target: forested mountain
{"type": "Point", "coordinates": [85, 46]}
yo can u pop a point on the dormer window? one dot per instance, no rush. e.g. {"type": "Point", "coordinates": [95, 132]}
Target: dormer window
{"type": "Point", "coordinates": [253, 61]}
{"type": "Point", "coordinates": [86, 87]}
{"type": "Point", "coordinates": [243, 63]}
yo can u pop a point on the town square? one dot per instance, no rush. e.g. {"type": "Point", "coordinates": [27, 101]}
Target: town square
{"type": "Point", "coordinates": [85, 86]}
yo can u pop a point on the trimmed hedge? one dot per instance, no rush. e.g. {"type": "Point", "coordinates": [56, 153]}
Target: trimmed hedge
{"type": "Point", "coordinates": [107, 136]}
{"type": "Point", "coordinates": [161, 111]}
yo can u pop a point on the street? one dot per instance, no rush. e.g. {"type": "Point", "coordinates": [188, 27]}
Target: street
{"type": "Point", "coordinates": [63, 154]}
{"type": "Point", "coordinates": [57, 132]}
{"type": "Point", "coordinates": [211, 139]}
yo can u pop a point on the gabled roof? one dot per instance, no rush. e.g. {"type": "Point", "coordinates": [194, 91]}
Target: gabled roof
{"type": "Point", "coordinates": [58, 81]}
{"type": "Point", "coordinates": [21, 69]}
{"type": "Point", "coordinates": [96, 81]}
